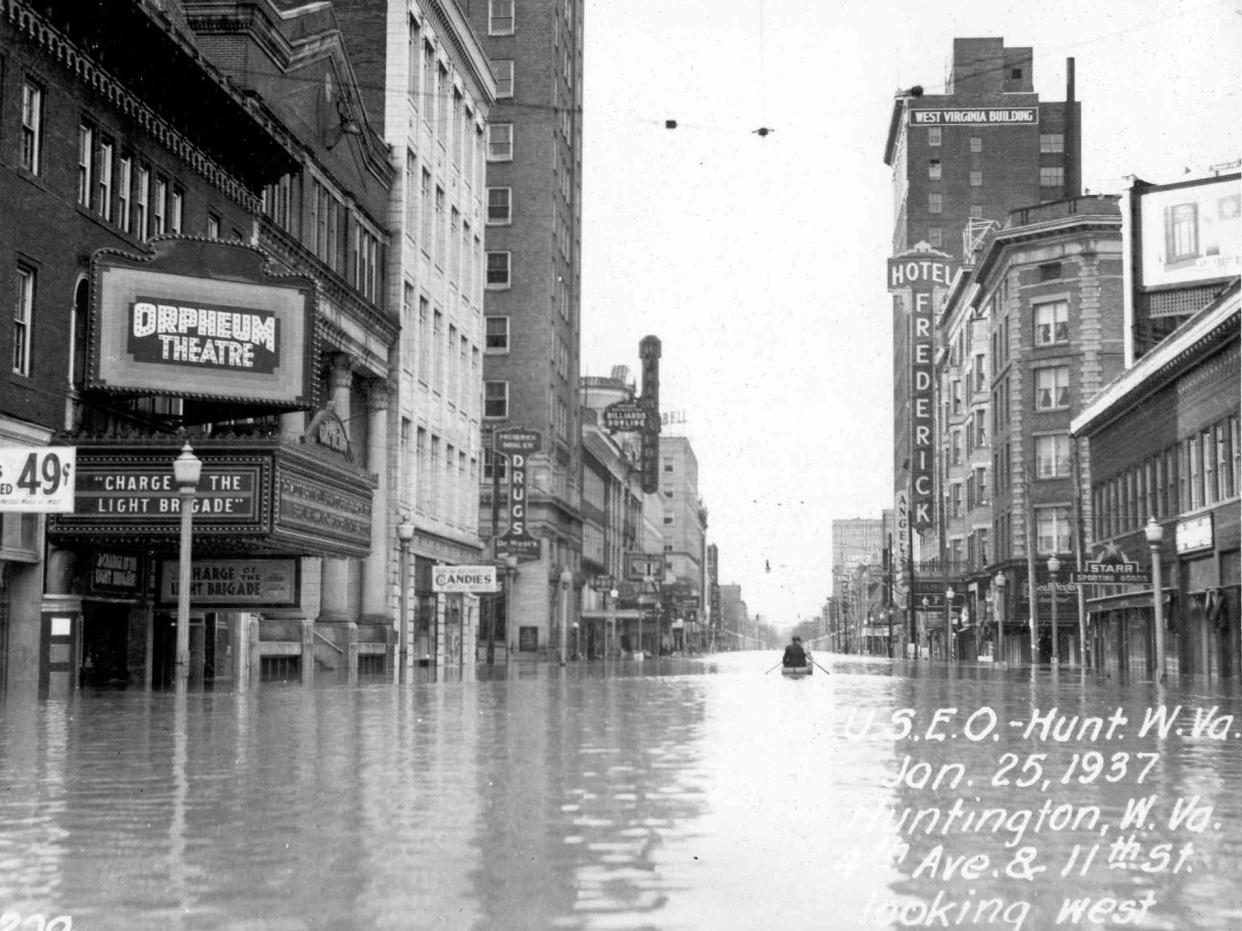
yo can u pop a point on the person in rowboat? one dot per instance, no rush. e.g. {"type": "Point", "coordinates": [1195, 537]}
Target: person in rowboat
{"type": "Point", "coordinates": [795, 655]}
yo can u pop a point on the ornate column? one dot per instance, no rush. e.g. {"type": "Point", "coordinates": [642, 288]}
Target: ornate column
{"type": "Point", "coordinates": [334, 588]}
{"type": "Point", "coordinates": [375, 570]}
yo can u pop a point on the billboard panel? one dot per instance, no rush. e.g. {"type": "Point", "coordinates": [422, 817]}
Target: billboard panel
{"type": "Point", "coordinates": [1191, 233]}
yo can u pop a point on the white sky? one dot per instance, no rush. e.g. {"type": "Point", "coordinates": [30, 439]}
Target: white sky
{"type": "Point", "coordinates": [759, 262]}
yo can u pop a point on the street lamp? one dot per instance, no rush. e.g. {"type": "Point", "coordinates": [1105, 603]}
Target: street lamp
{"type": "Point", "coordinates": [187, 469]}
{"type": "Point", "coordinates": [927, 626]}
{"type": "Point", "coordinates": [1000, 582]}
{"type": "Point", "coordinates": [613, 595]}
{"type": "Point", "coordinates": [511, 565]}
{"type": "Point", "coordinates": [405, 533]}
{"type": "Point", "coordinates": [950, 642]}
{"type": "Point", "coordinates": [1155, 533]}
{"type": "Point", "coordinates": [567, 579]}
{"type": "Point", "coordinates": [1054, 566]}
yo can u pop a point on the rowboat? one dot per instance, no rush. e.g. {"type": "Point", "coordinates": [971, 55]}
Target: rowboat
{"type": "Point", "coordinates": [797, 672]}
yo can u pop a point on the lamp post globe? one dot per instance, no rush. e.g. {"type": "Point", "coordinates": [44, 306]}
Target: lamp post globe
{"type": "Point", "coordinates": [187, 470]}
{"type": "Point", "coordinates": [1155, 535]}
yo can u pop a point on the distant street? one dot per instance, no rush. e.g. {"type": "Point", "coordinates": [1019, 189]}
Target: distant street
{"type": "Point", "coordinates": [678, 794]}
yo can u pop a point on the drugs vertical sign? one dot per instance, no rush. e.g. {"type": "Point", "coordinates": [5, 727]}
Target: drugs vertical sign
{"type": "Point", "coordinates": [37, 478]}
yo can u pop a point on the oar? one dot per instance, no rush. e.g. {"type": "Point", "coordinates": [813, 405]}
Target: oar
{"type": "Point", "coordinates": [766, 671]}
{"type": "Point", "coordinates": [812, 659]}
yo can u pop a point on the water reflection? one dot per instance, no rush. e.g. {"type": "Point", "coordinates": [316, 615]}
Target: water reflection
{"type": "Point", "coordinates": [669, 795]}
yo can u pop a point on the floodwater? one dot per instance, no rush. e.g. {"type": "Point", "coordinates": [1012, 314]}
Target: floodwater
{"type": "Point", "coordinates": [677, 794]}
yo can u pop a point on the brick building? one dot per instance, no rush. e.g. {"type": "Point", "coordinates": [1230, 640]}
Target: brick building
{"type": "Point", "coordinates": [1164, 441]}
{"type": "Point", "coordinates": [532, 268]}
{"type": "Point", "coordinates": [100, 157]}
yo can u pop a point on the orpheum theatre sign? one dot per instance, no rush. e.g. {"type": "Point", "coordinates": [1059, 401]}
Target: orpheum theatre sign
{"type": "Point", "coordinates": [202, 320]}
{"type": "Point", "coordinates": [919, 274]}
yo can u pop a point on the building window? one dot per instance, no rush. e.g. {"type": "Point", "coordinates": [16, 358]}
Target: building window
{"type": "Point", "coordinates": [1052, 456]}
{"type": "Point", "coordinates": [981, 484]}
{"type": "Point", "coordinates": [103, 179]}
{"type": "Point", "coordinates": [23, 320]}
{"type": "Point", "coordinates": [1052, 176]}
{"type": "Point", "coordinates": [933, 135]}
{"type": "Point", "coordinates": [1052, 528]}
{"type": "Point", "coordinates": [159, 204]}
{"type": "Point", "coordinates": [1051, 323]}
{"type": "Point", "coordinates": [142, 199]}
{"type": "Point", "coordinates": [1181, 232]}
{"type": "Point", "coordinates": [1050, 271]}
{"type": "Point", "coordinates": [981, 373]}
{"type": "Point", "coordinates": [497, 338]}
{"type": "Point", "coordinates": [500, 142]}
{"type": "Point", "coordinates": [933, 169]}
{"type": "Point", "coordinates": [935, 202]}
{"type": "Point", "coordinates": [496, 399]}
{"type": "Point", "coordinates": [976, 211]}
{"type": "Point", "coordinates": [176, 209]}
{"type": "Point", "coordinates": [498, 271]}
{"type": "Point", "coordinates": [956, 443]}
{"type": "Point", "coordinates": [213, 225]}
{"type": "Point", "coordinates": [86, 156]}
{"type": "Point", "coordinates": [1051, 142]}
{"type": "Point", "coordinates": [503, 69]}
{"type": "Point", "coordinates": [935, 237]}
{"type": "Point", "coordinates": [500, 17]}
{"type": "Point", "coordinates": [124, 195]}
{"type": "Point", "coordinates": [32, 127]}
{"type": "Point", "coordinates": [1052, 388]}
{"type": "Point", "coordinates": [976, 143]}
{"type": "Point", "coordinates": [499, 205]}
{"type": "Point", "coordinates": [976, 179]}
{"type": "Point", "coordinates": [668, 463]}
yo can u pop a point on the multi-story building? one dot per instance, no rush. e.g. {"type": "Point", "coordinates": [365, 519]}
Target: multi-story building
{"type": "Point", "coordinates": [684, 521]}
{"type": "Point", "coordinates": [533, 271]}
{"type": "Point", "coordinates": [1164, 442]}
{"type": "Point", "coordinates": [1031, 330]}
{"type": "Point", "coordinates": [427, 79]}
{"type": "Point", "coordinates": [960, 161]}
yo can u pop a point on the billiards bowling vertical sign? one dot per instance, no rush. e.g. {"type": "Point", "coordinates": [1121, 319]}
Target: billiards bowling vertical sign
{"type": "Point", "coordinates": [649, 352]}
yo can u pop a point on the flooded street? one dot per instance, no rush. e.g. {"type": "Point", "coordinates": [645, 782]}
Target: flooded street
{"type": "Point", "coordinates": [676, 794]}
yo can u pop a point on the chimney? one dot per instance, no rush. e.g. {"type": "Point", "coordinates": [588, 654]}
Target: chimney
{"type": "Point", "coordinates": [1073, 162]}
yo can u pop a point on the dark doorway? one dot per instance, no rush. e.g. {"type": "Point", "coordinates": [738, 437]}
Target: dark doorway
{"type": "Point", "coordinates": [105, 646]}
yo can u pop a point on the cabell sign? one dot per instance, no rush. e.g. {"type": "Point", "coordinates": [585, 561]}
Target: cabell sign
{"type": "Point", "coordinates": [204, 320]}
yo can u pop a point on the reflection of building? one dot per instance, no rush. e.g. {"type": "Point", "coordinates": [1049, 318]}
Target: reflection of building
{"type": "Point", "coordinates": [425, 77]}
{"type": "Point", "coordinates": [532, 268]}
{"type": "Point", "coordinates": [1164, 437]}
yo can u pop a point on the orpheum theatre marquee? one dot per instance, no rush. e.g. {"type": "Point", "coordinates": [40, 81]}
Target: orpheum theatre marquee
{"type": "Point", "coordinates": [205, 321]}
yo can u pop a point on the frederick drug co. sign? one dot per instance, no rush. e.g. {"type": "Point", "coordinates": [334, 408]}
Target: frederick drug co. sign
{"type": "Point", "coordinates": [202, 319]}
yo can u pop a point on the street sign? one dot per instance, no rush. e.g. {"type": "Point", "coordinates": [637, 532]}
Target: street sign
{"type": "Point", "coordinates": [1107, 573]}
{"type": "Point", "coordinates": [517, 440]}
{"type": "Point", "coordinates": [640, 566]}
{"type": "Point", "coordinates": [38, 478]}
{"type": "Point", "coordinates": [628, 416]}
{"type": "Point", "coordinates": [603, 583]}
{"type": "Point", "coordinates": [464, 579]}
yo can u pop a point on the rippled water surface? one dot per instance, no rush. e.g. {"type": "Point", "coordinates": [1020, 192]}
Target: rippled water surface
{"type": "Point", "coordinates": [679, 794]}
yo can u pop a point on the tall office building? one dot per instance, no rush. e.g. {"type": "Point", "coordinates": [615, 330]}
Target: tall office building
{"type": "Point", "coordinates": [531, 306]}
{"type": "Point", "coordinates": [425, 78]}
{"type": "Point", "coordinates": [962, 160]}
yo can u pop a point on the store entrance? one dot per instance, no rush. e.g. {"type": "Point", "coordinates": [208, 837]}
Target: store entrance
{"type": "Point", "coordinates": [210, 650]}
{"type": "Point", "coordinates": [107, 658]}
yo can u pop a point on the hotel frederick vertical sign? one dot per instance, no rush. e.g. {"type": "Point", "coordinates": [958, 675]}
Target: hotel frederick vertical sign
{"type": "Point", "coordinates": [918, 274]}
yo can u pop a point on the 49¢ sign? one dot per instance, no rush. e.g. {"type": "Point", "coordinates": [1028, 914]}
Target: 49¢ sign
{"type": "Point", "coordinates": [37, 478]}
